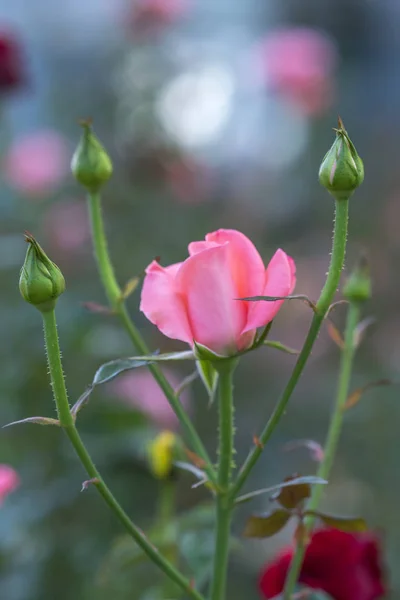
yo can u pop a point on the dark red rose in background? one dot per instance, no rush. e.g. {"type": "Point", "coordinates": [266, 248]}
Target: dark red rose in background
{"type": "Point", "coordinates": [344, 565]}
{"type": "Point", "coordinates": [11, 69]}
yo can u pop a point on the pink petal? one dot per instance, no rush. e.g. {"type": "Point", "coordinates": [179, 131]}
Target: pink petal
{"type": "Point", "coordinates": [161, 303]}
{"type": "Point", "coordinates": [280, 281]}
{"type": "Point", "coordinates": [215, 317]}
{"type": "Point", "coordinates": [196, 247]}
{"type": "Point", "coordinates": [9, 481]}
{"type": "Point", "coordinates": [245, 263]}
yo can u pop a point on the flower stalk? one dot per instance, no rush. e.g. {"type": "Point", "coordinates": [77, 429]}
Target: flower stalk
{"type": "Point", "coordinates": [322, 306]}
{"type": "Point", "coordinates": [68, 424]}
{"type": "Point", "coordinates": [332, 440]}
{"type": "Point", "coordinates": [224, 501]}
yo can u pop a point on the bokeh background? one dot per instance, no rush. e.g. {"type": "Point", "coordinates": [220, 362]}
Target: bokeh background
{"type": "Point", "coordinates": [216, 113]}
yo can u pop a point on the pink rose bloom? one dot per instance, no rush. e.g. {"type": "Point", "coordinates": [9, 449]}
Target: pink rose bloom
{"type": "Point", "coordinates": [196, 300]}
{"type": "Point", "coordinates": [9, 481]}
{"type": "Point", "coordinates": [299, 63]}
{"type": "Point", "coordinates": [36, 164]}
{"type": "Point", "coordinates": [140, 390]}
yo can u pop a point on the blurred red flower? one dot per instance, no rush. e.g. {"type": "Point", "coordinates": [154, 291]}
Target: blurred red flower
{"type": "Point", "coordinates": [344, 565]}
{"type": "Point", "coordinates": [11, 67]}
{"type": "Point", "coordinates": [154, 15]}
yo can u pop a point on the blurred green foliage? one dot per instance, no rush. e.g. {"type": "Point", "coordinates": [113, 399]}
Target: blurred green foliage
{"type": "Point", "coordinates": [56, 542]}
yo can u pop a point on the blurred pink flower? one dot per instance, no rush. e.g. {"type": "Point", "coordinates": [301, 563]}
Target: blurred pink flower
{"type": "Point", "coordinates": [67, 225]}
{"type": "Point", "coordinates": [140, 390]}
{"type": "Point", "coordinates": [154, 15]}
{"type": "Point", "coordinates": [299, 63]}
{"type": "Point", "coordinates": [9, 481]}
{"type": "Point", "coordinates": [36, 164]}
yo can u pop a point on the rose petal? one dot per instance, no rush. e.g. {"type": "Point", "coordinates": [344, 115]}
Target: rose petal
{"type": "Point", "coordinates": [245, 263]}
{"type": "Point", "coordinates": [215, 318]}
{"type": "Point", "coordinates": [162, 304]}
{"type": "Point", "coordinates": [280, 281]}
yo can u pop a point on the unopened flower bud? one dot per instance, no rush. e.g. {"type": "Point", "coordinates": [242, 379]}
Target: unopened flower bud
{"type": "Point", "coordinates": [91, 165]}
{"type": "Point", "coordinates": [161, 454]}
{"type": "Point", "coordinates": [41, 281]}
{"type": "Point", "coordinates": [342, 170]}
{"type": "Point", "coordinates": [358, 285]}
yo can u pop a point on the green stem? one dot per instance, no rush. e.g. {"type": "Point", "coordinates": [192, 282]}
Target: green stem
{"type": "Point", "coordinates": [332, 440]}
{"type": "Point", "coordinates": [165, 524]}
{"type": "Point", "coordinates": [224, 499]}
{"type": "Point", "coordinates": [115, 299]}
{"type": "Point", "coordinates": [68, 424]}
{"type": "Point", "coordinates": [322, 306]}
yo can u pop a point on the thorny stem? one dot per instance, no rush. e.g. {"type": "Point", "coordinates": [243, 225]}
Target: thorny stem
{"type": "Point", "coordinates": [331, 443]}
{"type": "Point", "coordinates": [68, 424]}
{"type": "Point", "coordinates": [322, 306]}
{"type": "Point", "coordinates": [224, 506]}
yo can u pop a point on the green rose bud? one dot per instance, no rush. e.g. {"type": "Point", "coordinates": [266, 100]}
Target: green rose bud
{"type": "Point", "coordinates": [41, 281]}
{"type": "Point", "coordinates": [358, 285]}
{"type": "Point", "coordinates": [91, 165]}
{"type": "Point", "coordinates": [342, 170]}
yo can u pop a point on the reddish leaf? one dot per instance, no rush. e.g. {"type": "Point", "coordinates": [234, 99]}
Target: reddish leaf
{"type": "Point", "coordinates": [291, 496]}
{"type": "Point", "coordinates": [356, 395]}
{"type": "Point", "coordinates": [195, 459]}
{"type": "Point", "coordinates": [257, 442]}
{"type": "Point", "coordinates": [335, 335]}
{"type": "Point", "coordinates": [351, 524]}
{"type": "Point", "coordinates": [259, 526]}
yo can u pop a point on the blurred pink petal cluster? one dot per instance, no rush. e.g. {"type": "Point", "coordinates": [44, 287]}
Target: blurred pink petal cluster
{"type": "Point", "coordinates": [11, 63]}
{"type": "Point", "coordinates": [67, 226]}
{"type": "Point", "coordinates": [188, 180]}
{"type": "Point", "coordinates": [150, 16]}
{"type": "Point", "coordinates": [9, 481]}
{"type": "Point", "coordinates": [36, 164]}
{"type": "Point", "coordinates": [139, 390]}
{"type": "Point", "coordinates": [299, 63]}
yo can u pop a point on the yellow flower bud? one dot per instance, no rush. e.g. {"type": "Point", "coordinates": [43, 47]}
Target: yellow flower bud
{"type": "Point", "coordinates": [41, 281]}
{"type": "Point", "coordinates": [161, 454]}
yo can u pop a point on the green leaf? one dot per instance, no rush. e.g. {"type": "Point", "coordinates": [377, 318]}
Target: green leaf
{"type": "Point", "coordinates": [261, 526]}
{"type": "Point", "coordinates": [280, 346]}
{"type": "Point", "coordinates": [114, 367]}
{"type": "Point", "coordinates": [204, 353]}
{"type": "Point", "coordinates": [82, 401]}
{"type": "Point", "coordinates": [186, 382]}
{"type": "Point", "coordinates": [308, 479]}
{"type": "Point", "coordinates": [198, 473]}
{"type": "Point", "coordinates": [36, 421]}
{"type": "Point", "coordinates": [111, 369]}
{"type": "Point", "coordinates": [351, 524]}
{"type": "Point", "coordinates": [209, 377]}
{"type": "Point", "coordinates": [304, 593]}
{"type": "Point", "coordinates": [262, 337]}
{"type": "Point", "coordinates": [305, 299]}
